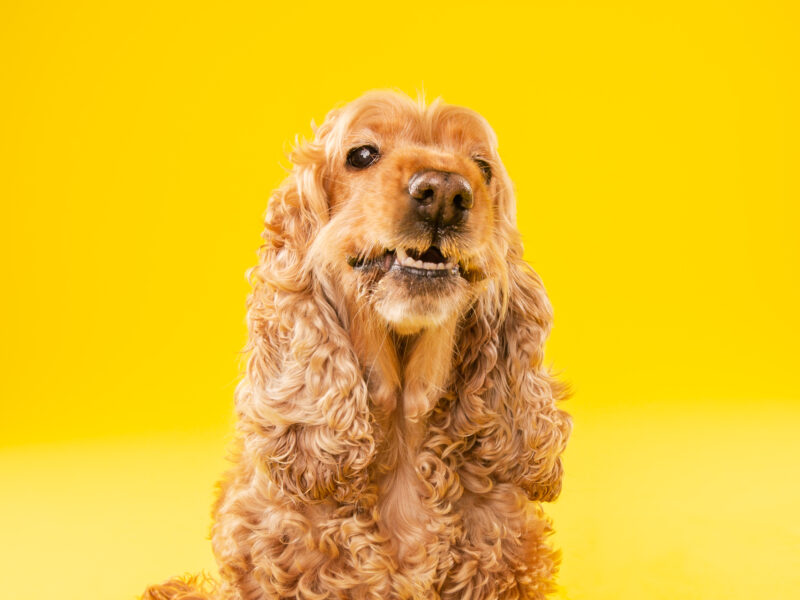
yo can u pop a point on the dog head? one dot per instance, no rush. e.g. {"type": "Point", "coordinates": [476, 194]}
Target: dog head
{"type": "Point", "coordinates": [417, 204]}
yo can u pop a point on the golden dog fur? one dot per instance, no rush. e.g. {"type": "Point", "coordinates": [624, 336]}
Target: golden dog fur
{"type": "Point", "coordinates": [395, 438]}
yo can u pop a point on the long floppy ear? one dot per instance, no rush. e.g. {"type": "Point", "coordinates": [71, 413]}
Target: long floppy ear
{"type": "Point", "coordinates": [303, 406]}
{"type": "Point", "coordinates": [507, 409]}
{"type": "Point", "coordinates": [539, 428]}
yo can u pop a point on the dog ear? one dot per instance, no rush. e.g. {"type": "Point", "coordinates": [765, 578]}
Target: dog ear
{"type": "Point", "coordinates": [539, 428]}
{"type": "Point", "coordinates": [507, 409]}
{"type": "Point", "coordinates": [303, 405]}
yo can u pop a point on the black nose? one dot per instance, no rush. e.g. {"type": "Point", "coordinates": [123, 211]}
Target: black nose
{"type": "Point", "coordinates": [440, 196]}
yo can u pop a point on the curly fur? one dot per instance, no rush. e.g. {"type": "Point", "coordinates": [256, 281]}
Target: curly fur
{"type": "Point", "coordinates": [393, 442]}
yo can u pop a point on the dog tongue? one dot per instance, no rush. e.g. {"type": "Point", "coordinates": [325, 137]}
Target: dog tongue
{"type": "Point", "coordinates": [432, 255]}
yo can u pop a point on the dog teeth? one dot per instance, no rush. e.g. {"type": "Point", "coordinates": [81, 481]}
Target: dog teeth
{"type": "Point", "coordinates": [401, 258]}
{"type": "Point", "coordinates": [404, 260]}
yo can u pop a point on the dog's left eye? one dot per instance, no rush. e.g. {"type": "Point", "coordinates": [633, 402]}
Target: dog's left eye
{"type": "Point", "coordinates": [485, 168]}
{"type": "Point", "coordinates": [363, 156]}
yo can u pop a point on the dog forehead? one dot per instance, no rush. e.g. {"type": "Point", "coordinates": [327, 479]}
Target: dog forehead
{"type": "Point", "coordinates": [387, 119]}
{"type": "Point", "coordinates": [460, 136]}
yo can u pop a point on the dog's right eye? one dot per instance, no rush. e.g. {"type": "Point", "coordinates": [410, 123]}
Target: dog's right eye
{"type": "Point", "coordinates": [363, 156]}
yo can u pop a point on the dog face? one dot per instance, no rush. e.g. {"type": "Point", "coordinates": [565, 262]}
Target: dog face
{"type": "Point", "coordinates": [414, 198]}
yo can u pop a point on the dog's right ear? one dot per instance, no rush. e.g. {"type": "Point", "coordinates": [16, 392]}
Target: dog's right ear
{"type": "Point", "coordinates": [303, 406]}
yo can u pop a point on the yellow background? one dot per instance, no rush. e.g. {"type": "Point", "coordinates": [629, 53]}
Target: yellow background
{"type": "Point", "coordinates": [654, 147]}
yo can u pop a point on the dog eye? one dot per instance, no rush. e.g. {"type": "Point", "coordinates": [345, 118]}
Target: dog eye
{"type": "Point", "coordinates": [485, 168]}
{"type": "Point", "coordinates": [363, 156]}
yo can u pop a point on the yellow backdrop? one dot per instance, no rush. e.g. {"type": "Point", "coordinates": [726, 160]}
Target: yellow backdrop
{"type": "Point", "coordinates": [654, 148]}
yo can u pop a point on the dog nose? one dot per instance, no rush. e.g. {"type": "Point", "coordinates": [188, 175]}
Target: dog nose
{"type": "Point", "coordinates": [440, 196]}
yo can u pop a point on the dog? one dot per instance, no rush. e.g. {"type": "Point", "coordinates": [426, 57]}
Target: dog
{"type": "Point", "coordinates": [397, 430]}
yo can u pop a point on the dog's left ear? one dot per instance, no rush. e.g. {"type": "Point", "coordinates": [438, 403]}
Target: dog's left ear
{"type": "Point", "coordinates": [507, 408]}
{"type": "Point", "coordinates": [539, 427]}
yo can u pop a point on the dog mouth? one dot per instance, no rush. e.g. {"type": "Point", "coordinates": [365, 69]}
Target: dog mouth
{"type": "Point", "coordinates": [410, 261]}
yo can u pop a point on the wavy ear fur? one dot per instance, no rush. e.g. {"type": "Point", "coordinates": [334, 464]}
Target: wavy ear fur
{"type": "Point", "coordinates": [539, 428]}
{"type": "Point", "coordinates": [303, 406]}
{"type": "Point", "coordinates": [507, 408]}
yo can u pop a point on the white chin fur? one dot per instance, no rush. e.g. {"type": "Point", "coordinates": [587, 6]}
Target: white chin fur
{"type": "Point", "coordinates": [405, 320]}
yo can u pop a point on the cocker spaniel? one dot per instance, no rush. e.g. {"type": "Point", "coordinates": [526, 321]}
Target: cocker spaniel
{"type": "Point", "coordinates": [397, 430]}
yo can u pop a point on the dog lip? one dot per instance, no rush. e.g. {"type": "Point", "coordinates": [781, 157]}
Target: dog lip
{"type": "Point", "coordinates": [383, 261]}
